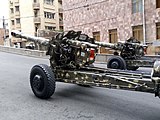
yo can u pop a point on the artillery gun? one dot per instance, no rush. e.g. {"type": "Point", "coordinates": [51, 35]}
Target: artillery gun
{"type": "Point", "coordinates": [128, 55]}
{"type": "Point", "coordinates": [71, 55]}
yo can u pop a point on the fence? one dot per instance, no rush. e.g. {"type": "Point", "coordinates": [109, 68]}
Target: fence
{"type": "Point", "coordinates": [22, 51]}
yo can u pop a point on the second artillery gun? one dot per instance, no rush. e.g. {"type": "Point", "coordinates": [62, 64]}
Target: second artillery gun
{"type": "Point", "coordinates": [128, 55]}
{"type": "Point", "coordinates": [71, 56]}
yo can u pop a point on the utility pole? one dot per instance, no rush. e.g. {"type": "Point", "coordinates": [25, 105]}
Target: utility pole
{"type": "Point", "coordinates": [144, 23]}
{"type": "Point", "coordinates": [4, 27]}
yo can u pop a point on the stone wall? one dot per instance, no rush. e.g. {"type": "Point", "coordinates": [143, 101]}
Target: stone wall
{"type": "Point", "coordinates": [104, 15]}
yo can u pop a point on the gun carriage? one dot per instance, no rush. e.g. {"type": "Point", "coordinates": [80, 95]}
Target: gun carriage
{"type": "Point", "coordinates": [71, 57]}
{"type": "Point", "coordinates": [129, 55]}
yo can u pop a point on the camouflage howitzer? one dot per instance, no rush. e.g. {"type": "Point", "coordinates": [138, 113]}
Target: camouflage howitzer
{"type": "Point", "coordinates": [130, 49]}
{"type": "Point", "coordinates": [71, 57]}
{"type": "Point", "coordinates": [128, 55]}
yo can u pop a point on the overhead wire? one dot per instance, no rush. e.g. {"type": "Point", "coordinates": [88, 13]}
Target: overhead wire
{"type": "Point", "coordinates": [87, 5]}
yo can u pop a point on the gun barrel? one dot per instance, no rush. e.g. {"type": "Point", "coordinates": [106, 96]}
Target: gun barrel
{"type": "Point", "coordinates": [86, 43]}
{"type": "Point", "coordinates": [38, 40]}
{"type": "Point", "coordinates": [108, 45]}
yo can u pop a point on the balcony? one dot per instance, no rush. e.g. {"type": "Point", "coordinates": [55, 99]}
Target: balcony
{"type": "Point", "coordinates": [18, 26]}
{"type": "Point", "coordinates": [51, 7]}
{"type": "Point", "coordinates": [16, 2]}
{"type": "Point", "coordinates": [12, 27]}
{"type": "Point", "coordinates": [37, 20]}
{"type": "Point", "coordinates": [50, 21]}
{"type": "Point", "coordinates": [36, 6]}
{"type": "Point", "coordinates": [12, 16]}
{"type": "Point", "coordinates": [17, 14]}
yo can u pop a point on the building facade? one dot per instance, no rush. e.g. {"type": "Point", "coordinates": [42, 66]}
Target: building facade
{"type": "Point", "coordinates": [1, 36]}
{"type": "Point", "coordinates": [115, 20]}
{"type": "Point", "coordinates": [4, 37]}
{"type": "Point", "coordinates": [33, 15]}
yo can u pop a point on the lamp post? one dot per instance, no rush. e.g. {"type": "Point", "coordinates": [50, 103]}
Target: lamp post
{"type": "Point", "coordinates": [144, 23]}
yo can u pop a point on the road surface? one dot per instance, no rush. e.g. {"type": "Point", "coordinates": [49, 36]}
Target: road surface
{"type": "Point", "coordinates": [70, 102]}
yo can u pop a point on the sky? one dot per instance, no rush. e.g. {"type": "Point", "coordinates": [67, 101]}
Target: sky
{"type": "Point", "coordinates": [4, 11]}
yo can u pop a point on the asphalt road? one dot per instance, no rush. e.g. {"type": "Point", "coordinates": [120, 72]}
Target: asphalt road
{"type": "Point", "coordinates": [70, 102]}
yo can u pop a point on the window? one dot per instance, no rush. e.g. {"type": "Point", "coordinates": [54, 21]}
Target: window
{"type": "Point", "coordinates": [96, 36]}
{"type": "Point", "coordinates": [36, 13]}
{"type": "Point", "coordinates": [113, 36]}
{"type": "Point", "coordinates": [50, 28]}
{"type": "Point", "coordinates": [137, 6]}
{"type": "Point", "coordinates": [157, 3]}
{"type": "Point", "coordinates": [61, 28]}
{"type": "Point", "coordinates": [36, 28]}
{"type": "Point", "coordinates": [157, 49]}
{"type": "Point", "coordinates": [35, 1]}
{"type": "Point", "coordinates": [138, 32]}
{"type": "Point", "coordinates": [17, 8]}
{"type": "Point", "coordinates": [49, 15]}
{"type": "Point", "coordinates": [50, 2]}
{"type": "Point", "coordinates": [12, 22]}
{"type": "Point", "coordinates": [11, 10]}
{"type": "Point", "coordinates": [158, 30]}
{"type": "Point", "coordinates": [17, 20]}
{"type": "Point", "coordinates": [60, 1]}
{"type": "Point", "coordinates": [11, 3]}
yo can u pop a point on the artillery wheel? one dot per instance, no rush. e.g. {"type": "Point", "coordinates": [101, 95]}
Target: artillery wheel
{"type": "Point", "coordinates": [134, 68]}
{"type": "Point", "coordinates": [116, 62]}
{"type": "Point", "coordinates": [42, 81]}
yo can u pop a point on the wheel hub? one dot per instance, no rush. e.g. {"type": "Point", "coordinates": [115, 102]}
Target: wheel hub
{"type": "Point", "coordinates": [37, 81]}
{"type": "Point", "coordinates": [115, 65]}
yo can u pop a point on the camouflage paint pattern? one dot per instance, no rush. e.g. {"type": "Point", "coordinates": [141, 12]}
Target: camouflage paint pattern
{"type": "Point", "coordinates": [86, 75]}
{"type": "Point", "coordinates": [106, 78]}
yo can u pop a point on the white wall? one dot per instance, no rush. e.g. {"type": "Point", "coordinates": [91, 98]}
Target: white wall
{"type": "Point", "coordinates": [27, 15]}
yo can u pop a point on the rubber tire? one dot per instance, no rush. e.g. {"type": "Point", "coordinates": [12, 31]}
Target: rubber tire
{"type": "Point", "coordinates": [133, 68]}
{"type": "Point", "coordinates": [119, 60]}
{"type": "Point", "coordinates": [48, 79]}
